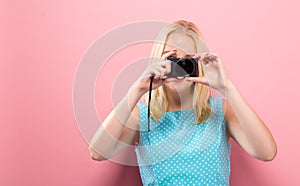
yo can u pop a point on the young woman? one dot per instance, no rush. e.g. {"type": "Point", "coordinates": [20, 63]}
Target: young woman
{"type": "Point", "coordinates": [188, 139]}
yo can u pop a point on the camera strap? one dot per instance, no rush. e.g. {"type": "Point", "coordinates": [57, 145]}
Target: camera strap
{"type": "Point", "coordinates": [149, 99]}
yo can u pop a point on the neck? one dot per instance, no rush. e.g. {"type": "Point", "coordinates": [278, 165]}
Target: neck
{"type": "Point", "coordinates": [182, 100]}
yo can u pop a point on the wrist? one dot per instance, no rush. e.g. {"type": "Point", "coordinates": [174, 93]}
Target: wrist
{"type": "Point", "coordinates": [228, 87]}
{"type": "Point", "coordinates": [136, 91]}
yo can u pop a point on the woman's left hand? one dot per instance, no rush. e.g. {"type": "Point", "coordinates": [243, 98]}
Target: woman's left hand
{"type": "Point", "coordinates": [215, 74]}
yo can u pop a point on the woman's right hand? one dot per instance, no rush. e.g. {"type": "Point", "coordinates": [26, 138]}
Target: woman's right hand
{"type": "Point", "coordinates": [159, 70]}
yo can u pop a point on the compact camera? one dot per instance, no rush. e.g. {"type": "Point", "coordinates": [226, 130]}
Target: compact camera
{"type": "Point", "coordinates": [183, 67]}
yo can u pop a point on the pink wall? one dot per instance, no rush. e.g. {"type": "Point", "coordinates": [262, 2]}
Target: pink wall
{"type": "Point", "coordinates": [42, 42]}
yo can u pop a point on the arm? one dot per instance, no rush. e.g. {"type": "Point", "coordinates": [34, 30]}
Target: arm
{"type": "Point", "coordinates": [120, 124]}
{"type": "Point", "coordinates": [120, 128]}
{"type": "Point", "coordinates": [246, 128]}
{"type": "Point", "coordinates": [243, 124]}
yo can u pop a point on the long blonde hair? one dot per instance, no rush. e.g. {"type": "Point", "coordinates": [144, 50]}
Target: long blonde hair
{"type": "Point", "coordinates": [159, 102]}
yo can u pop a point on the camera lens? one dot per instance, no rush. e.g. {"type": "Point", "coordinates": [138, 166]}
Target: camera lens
{"type": "Point", "coordinates": [184, 66]}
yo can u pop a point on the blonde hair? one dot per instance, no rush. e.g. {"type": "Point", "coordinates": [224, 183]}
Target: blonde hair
{"type": "Point", "coordinates": [159, 102]}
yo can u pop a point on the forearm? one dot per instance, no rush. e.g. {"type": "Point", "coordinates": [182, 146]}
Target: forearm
{"type": "Point", "coordinates": [259, 138]}
{"type": "Point", "coordinates": [107, 135]}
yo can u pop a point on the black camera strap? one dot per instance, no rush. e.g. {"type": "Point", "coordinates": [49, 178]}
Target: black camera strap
{"type": "Point", "coordinates": [149, 99]}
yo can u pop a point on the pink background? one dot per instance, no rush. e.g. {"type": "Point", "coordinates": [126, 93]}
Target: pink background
{"type": "Point", "coordinates": [41, 43]}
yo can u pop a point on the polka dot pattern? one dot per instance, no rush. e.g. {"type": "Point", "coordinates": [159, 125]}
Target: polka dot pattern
{"type": "Point", "coordinates": [178, 152]}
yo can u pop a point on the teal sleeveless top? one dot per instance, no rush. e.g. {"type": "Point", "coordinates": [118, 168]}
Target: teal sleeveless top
{"type": "Point", "coordinates": [178, 152]}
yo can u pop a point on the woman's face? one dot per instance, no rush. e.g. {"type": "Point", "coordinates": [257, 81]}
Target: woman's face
{"type": "Point", "coordinates": [186, 48]}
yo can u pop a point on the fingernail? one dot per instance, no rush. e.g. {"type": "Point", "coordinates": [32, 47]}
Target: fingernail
{"type": "Point", "coordinates": [174, 50]}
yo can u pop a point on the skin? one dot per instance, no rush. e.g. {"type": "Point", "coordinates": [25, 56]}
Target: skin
{"type": "Point", "coordinates": [121, 127]}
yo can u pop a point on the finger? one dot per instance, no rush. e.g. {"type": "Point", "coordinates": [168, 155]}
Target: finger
{"type": "Point", "coordinates": [205, 61]}
{"type": "Point", "coordinates": [155, 72]}
{"type": "Point", "coordinates": [163, 63]}
{"type": "Point", "coordinates": [168, 66]}
{"type": "Point", "coordinates": [164, 56]}
{"type": "Point", "coordinates": [163, 72]}
{"type": "Point", "coordinates": [160, 72]}
{"type": "Point", "coordinates": [204, 55]}
{"type": "Point", "coordinates": [211, 56]}
{"type": "Point", "coordinates": [160, 68]}
{"type": "Point", "coordinates": [165, 69]}
{"type": "Point", "coordinates": [164, 77]}
{"type": "Point", "coordinates": [202, 80]}
{"type": "Point", "coordinates": [199, 55]}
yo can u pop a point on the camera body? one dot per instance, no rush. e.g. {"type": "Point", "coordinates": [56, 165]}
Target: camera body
{"type": "Point", "coordinates": [183, 67]}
